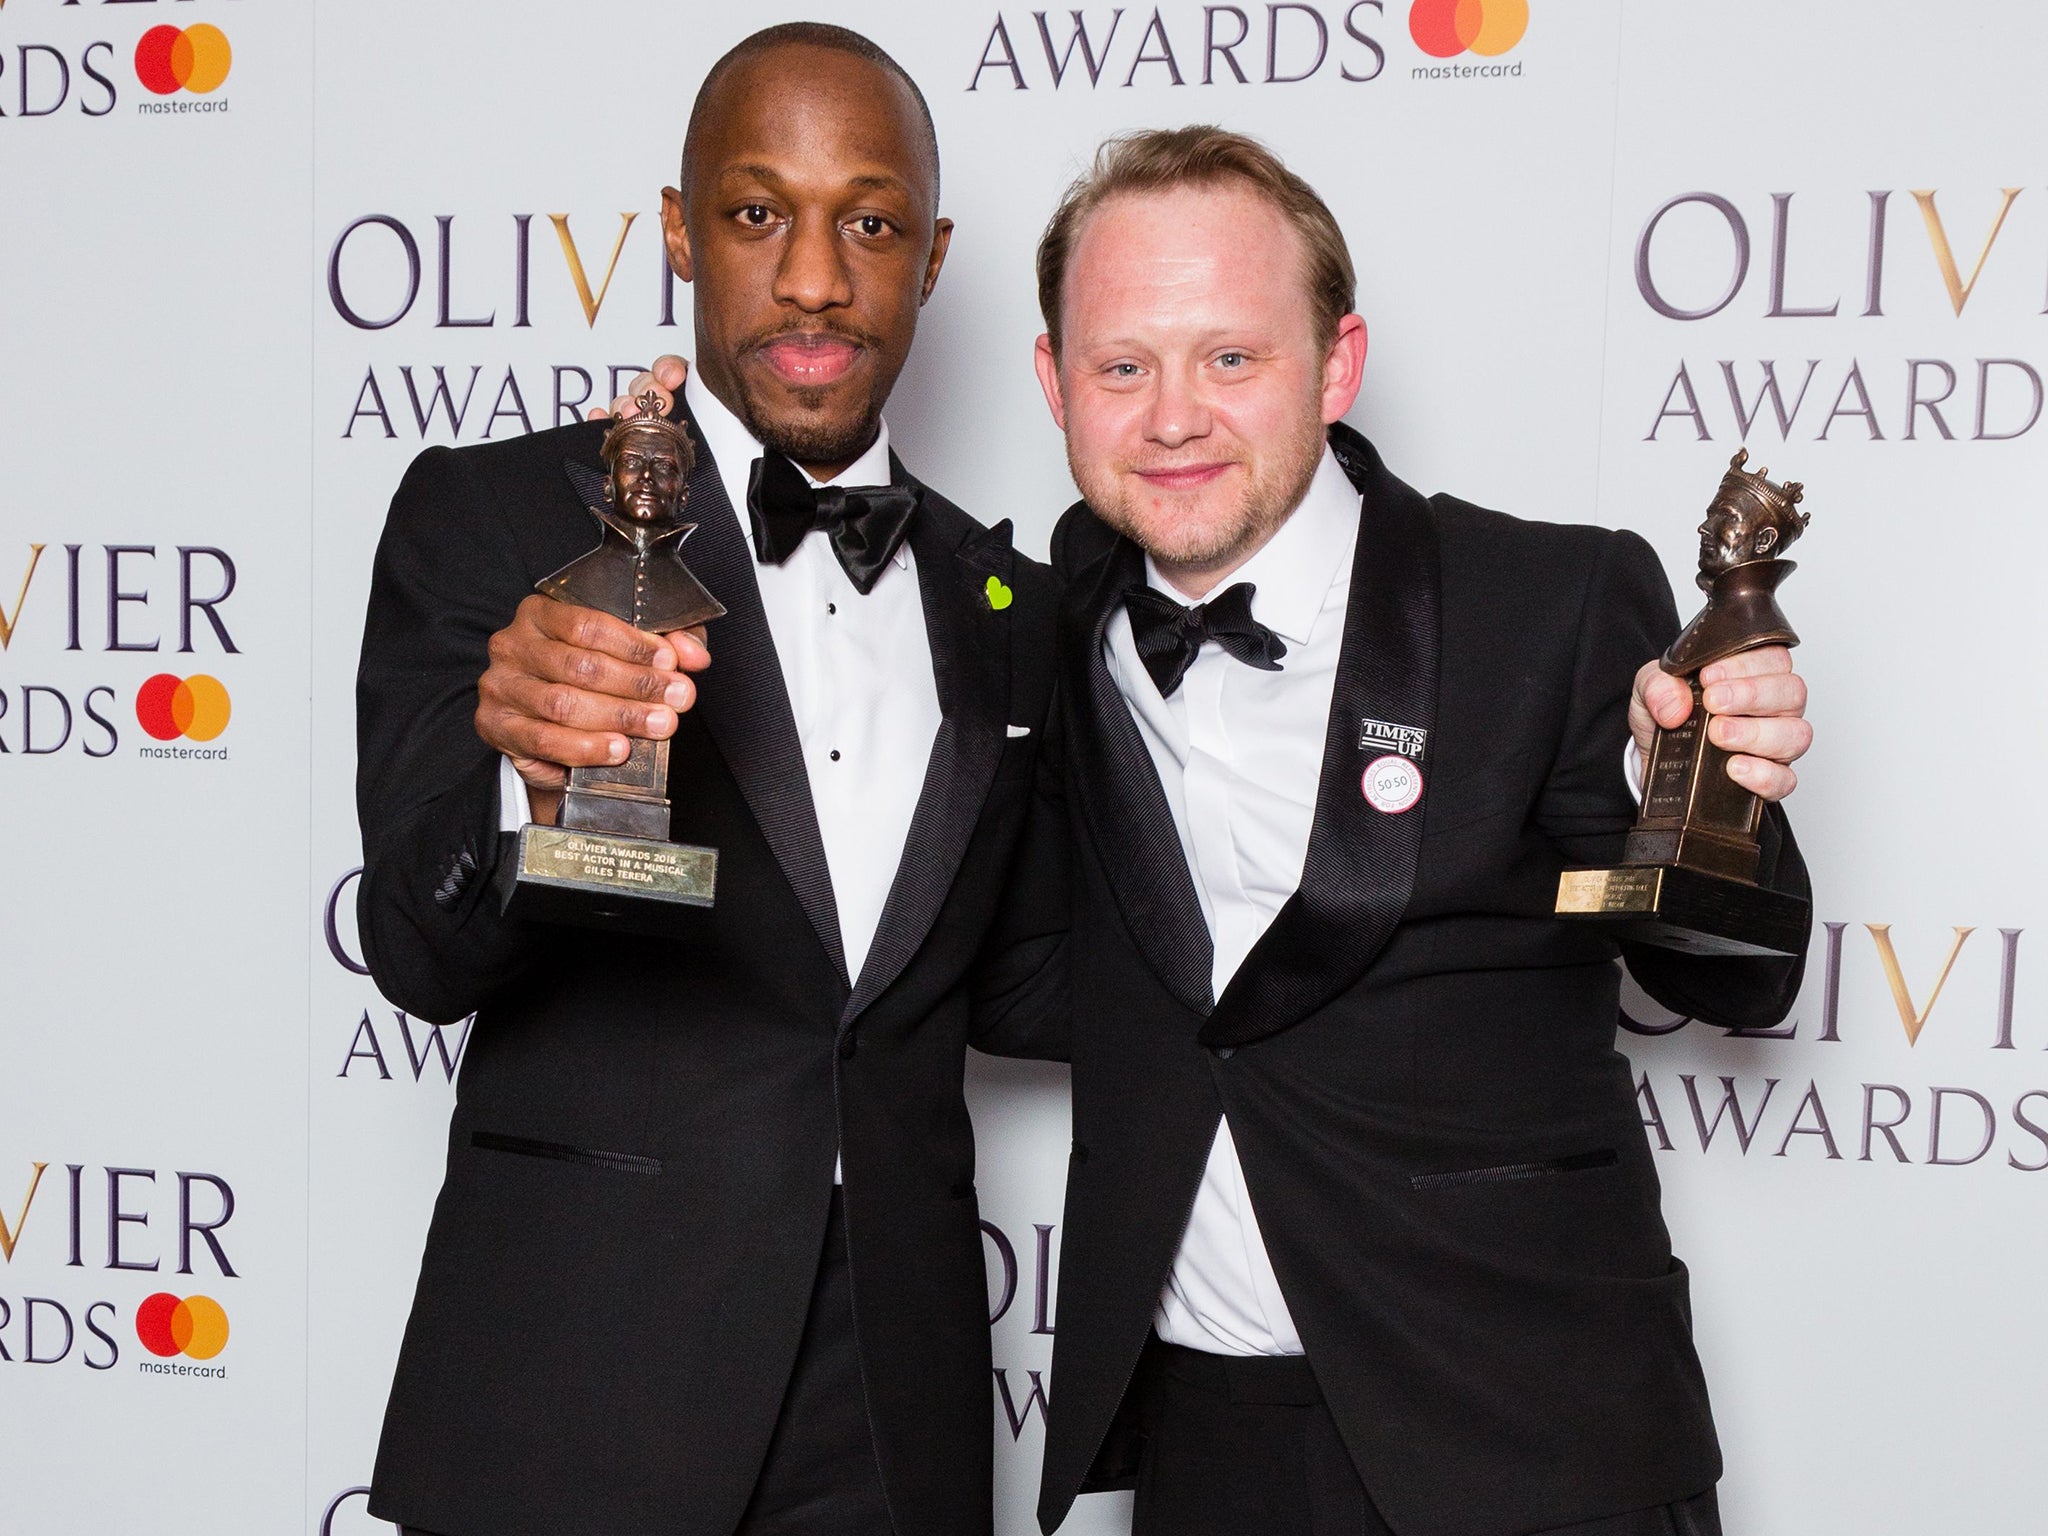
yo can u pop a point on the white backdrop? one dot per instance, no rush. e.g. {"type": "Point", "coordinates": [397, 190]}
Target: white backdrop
{"type": "Point", "coordinates": [227, 316]}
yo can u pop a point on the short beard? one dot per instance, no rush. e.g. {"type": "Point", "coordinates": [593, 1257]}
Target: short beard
{"type": "Point", "coordinates": [814, 440]}
{"type": "Point", "coordinates": [1264, 506]}
{"type": "Point", "coordinates": [810, 438]}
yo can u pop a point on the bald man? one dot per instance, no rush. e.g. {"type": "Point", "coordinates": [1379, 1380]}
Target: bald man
{"type": "Point", "coordinates": [706, 1259]}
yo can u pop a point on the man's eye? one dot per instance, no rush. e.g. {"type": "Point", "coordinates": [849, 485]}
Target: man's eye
{"type": "Point", "coordinates": [872, 225]}
{"type": "Point", "coordinates": [755, 214]}
{"type": "Point", "coordinates": [1232, 359]}
{"type": "Point", "coordinates": [1123, 370]}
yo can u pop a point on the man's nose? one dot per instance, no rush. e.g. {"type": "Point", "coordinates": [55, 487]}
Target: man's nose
{"type": "Point", "coordinates": [814, 275]}
{"type": "Point", "coordinates": [1178, 411]}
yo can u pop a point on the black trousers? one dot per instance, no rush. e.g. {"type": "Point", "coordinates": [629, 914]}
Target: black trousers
{"type": "Point", "coordinates": [820, 1476]}
{"type": "Point", "coordinates": [1240, 1446]}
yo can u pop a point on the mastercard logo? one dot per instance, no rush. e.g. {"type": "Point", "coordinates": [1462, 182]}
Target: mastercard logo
{"type": "Point", "coordinates": [173, 59]}
{"type": "Point", "coordinates": [196, 708]}
{"type": "Point", "coordinates": [1445, 28]}
{"type": "Point", "coordinates": [194, 1327]}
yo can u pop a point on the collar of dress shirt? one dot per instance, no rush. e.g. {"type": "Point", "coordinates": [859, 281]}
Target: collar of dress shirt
{"type": "Point", "coordinates": [733, 446]}
{"type": "Point", "coordinates": [1295, 568]}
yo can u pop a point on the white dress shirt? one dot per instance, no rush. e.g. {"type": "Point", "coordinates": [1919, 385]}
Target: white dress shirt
{"type": "Point", "coordinates": [1239, 753]}
{"type": "Point", "coordinates": [858, 671]}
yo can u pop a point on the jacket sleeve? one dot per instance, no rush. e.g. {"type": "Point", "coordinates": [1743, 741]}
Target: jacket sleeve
{"type": "Point", "coordinates": [1628, 618]}
{"type": "Point", "coordinates": [447, 576]}
{"type": "Point", "coordinates": [1021, 1002]}
{"type": "Point", "coordinates": [1022, 996]}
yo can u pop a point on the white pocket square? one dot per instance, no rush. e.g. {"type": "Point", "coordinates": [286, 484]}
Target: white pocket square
{"type": "Point", "coordinates": [1015, 731]}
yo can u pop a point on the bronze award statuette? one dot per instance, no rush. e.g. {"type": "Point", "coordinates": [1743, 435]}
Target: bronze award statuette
{"type": "Point", "coordinates": [607, 863]}
{"type": "Point", "coordinates": [1688, 876]}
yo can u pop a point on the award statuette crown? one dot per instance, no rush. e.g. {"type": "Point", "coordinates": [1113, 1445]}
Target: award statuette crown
{"type": "Point", "coordinates": [608, 862]}
{"type": "Point", "coordinates": [1688, 874]}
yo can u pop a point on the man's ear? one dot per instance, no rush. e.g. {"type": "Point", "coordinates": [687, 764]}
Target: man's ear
{"type": "Point", "coordinates": [1049, 380]}
{"type": "Point", "coordinates": [675, 232]}
{"type": "Point", "coordinates": [1766, 540]}
{"type": "Point", "coordinates": [942, 240]}
{"type": "Point", "coordinates": [1343, 368]}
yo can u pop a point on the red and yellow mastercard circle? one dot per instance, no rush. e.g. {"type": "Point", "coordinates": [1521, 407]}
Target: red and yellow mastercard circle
{"type": "Point", "coordinates": [194, 1326]}
{"type": "Point", "coordinates": [173, 59]}
{"type": "Point", "coordinates": [196, 707]}
{"type": "Point", "coordinates": [1446, 28]}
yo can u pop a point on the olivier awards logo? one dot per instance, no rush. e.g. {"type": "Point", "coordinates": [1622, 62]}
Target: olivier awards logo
{"type": "Point", "coordinates": [1924, 1116]}
{"type": "Point", "coordinates": [72, 1242]}
{"type": "Point", "coordinates": [113, 600]}
{"type": "Point", "coordinates": [1108, 48]}
{"type": "Point", "coordinates": [385, 273]}
{"type": "Point", "coordinates": [1852, 268]}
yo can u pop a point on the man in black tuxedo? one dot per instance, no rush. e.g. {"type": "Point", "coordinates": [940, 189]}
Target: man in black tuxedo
{"type": "Point", "coordinates": [706, 1256]}
{"type": "Point", "coordinates": [1362, 1230]}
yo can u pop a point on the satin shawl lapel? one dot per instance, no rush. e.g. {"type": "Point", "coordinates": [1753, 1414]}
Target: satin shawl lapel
{"type": "Point", "coordinates": [970, 642]}
{"type": "Point", "coordinates": [1119, 789]}
{"type": "Point", "coordinates": [1360, 868]}
{"type": "Point", "coordinates": [744, 703]}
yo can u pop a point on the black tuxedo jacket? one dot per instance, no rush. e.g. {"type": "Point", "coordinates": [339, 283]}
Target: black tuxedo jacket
{"type": "Point", "coordinates": [1417, 1059]}
{"type": "Point", "coordinates": [640, 1158]}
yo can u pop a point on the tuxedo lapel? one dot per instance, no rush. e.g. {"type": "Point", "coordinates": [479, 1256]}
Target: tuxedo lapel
{"type": "Point", "coordinates": [1119, 790]}
{"type": "Point", "coordinates": [1360, 866]}
{"type": "Point", "coordinates": [970, 644]}
{"type": "Point", "coordinates": [744, 703]}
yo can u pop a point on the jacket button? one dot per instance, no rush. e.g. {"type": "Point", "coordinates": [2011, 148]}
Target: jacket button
{"type": "Point", "coordinates": [848, 1043]}
{"type": "Point", "coordinates": [1225, 1052]}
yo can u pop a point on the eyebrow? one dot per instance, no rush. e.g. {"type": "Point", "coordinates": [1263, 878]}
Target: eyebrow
{"type": "Point", "coordinates": [879, 184]}
{"type": "Point", "coordinates": [751, 170]}
{"type": "Point", "coordinates": [873, 182]}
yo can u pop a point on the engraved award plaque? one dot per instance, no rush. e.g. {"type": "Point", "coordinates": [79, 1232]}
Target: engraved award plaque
{"type": "Point", "coordinates": [1688, 874]}
{"type": "Point", "coordinates": [607, 863]}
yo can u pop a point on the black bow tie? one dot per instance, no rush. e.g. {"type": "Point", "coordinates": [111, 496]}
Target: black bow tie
{"type": "Point", "coordinates": [1169, 636]}
{"type": "Point", "coordinates": [867, 523]}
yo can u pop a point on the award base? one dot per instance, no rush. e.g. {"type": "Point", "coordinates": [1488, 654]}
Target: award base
{"type": "Point", "coordinates": [1673, 907]}
{"type": "Point", "coordinates": [608, 880]}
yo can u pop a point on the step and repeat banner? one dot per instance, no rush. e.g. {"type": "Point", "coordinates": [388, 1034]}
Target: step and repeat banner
{"type": "Point", "coordinates": [258, 253]}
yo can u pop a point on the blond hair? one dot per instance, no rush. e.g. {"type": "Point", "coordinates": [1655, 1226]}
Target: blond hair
{"type": "Point", "coordinates": [1202, 155]}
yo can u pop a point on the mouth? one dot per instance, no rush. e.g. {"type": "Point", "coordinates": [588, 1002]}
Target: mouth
{"type": "Point", "coordinates": [1183, 477]}
{"type": "Point", "coordinates": [810, 359]}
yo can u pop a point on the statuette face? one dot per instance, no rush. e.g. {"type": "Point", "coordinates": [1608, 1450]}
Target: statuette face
{"type": "Point", "coordinates": [648, 460]}
{"type": "Point", "coordinates": [1748, 527]}
{"type": "Point", "coordinates": [646, 482]}
{"type": "Point", "coordinates": [1750, 519]}
{"type": "Point", "coordinates": [636, 572]}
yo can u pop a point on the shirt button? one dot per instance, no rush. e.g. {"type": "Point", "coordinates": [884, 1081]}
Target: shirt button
{"type": "Point", "coordinates": [831, 607]}
{"type": "Point", "coordinates": [835, 754]}
{"type": "Point", "coordinates": [1225, 1052]}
